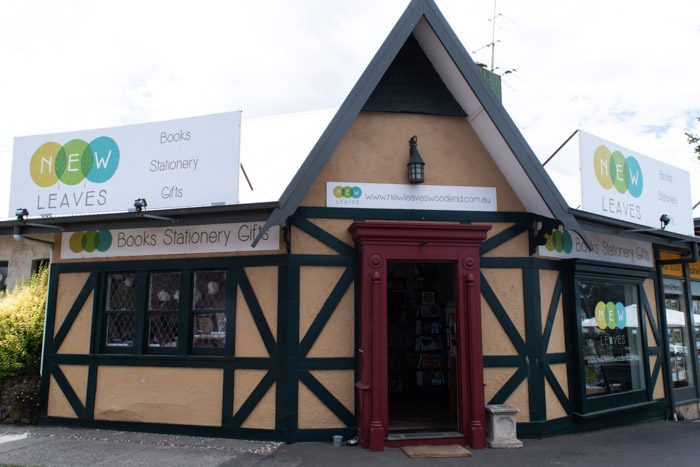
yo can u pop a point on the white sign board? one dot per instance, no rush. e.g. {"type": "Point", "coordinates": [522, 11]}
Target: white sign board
{"type": "Point", "coordinates": [176, 163]}
{"type": "Point", "coordinates": [619, 183]}
{"type": "Point", "coordinates": [567, 244]}
{"type": "Point", "coordinates": [182, 240]}
{"type": "Point", "coordinates": [395, 196]}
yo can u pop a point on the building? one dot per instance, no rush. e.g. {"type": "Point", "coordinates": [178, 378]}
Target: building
{"type": "Point", "coordinates": [371, 305]}
{"type": "Point", "coordinates": [19, 258]}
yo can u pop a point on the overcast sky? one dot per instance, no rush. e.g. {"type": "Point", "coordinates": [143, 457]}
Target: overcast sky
{"type": "Point", "coordinates": [626, 71]}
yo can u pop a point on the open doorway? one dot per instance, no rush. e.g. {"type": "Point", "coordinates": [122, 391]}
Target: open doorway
{"type": "Point", "coordinates": [422, 347]}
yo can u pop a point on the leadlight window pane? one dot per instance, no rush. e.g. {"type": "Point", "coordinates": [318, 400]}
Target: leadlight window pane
{"type": "Point", "coordinates": [612, 342]}
{"type": "Point", "coordinates": [164, 292]}
{"type": "Point", "coordinates": [121, 292]}
{"type": "Point", "coordinates": [209, 291]}
{"type": "Point", "coordinates": [209, 330]}
{"type": "Point", "coordinates": [120, 330]}
{"type": "Point", "coordinates": [162, 330]}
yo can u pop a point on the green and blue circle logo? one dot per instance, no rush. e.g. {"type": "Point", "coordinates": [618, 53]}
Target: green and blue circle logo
{"type": "Point", "coordinates": [74, 162]}
{"type": "Point", "coordinates": [610, 315]}
{"type": "Point", "coordinates": [559, 241]}
{"type": "Point", "coordinates": [349, 192]}
{"type": "Point", "coordinates": [92, 240]}
{"type": "Point", "coordinates": [614, 170]}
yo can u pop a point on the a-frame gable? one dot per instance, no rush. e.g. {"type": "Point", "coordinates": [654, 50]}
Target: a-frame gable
{"type": "Point", "coordinates": [460, 75]}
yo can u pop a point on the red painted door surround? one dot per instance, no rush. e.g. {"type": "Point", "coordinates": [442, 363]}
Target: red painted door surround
{"type": "Point", "coordinates": [379, 242]}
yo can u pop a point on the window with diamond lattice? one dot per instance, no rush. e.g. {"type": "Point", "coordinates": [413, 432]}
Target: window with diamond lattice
{"type": "Point", "coordinates": [163, 309]}
{"type": "Point", "coordinates": [120, 308]}
{"type": "Point", "coordinates": [208, 310]}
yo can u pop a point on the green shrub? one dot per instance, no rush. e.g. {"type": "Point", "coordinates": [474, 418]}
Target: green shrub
{"type": "Point", "coordinates": [22, 325]}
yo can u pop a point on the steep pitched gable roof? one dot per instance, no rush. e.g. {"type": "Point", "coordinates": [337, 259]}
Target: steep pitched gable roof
{"type": "Point", "coordinates": [462, 78]}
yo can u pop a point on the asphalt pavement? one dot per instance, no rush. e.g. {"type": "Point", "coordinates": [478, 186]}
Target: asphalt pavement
{"type": "Point", "coordinates": [659, 443]}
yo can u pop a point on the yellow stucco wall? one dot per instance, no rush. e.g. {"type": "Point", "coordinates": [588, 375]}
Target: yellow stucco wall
{"type": "Point", "coordinates": [507, 284]}
{"type": "Point", "coordinates": [337, 339]}
{"type": "Point", "coordinates": [495, 378]}
{"type": "Point", "coordinates": [557, 341]}
{"type": "Point", "coordinates": [245, 381]}
{"type": "Point", "coordinates": [375, 150]}
{"type": "Point", "coordinates": [58, 405]}
{"type": "Point", "coordinates": [554, 407]}
{"type": "Point", "coordinates": [185, 396]}
{"type": "Point", "coordinates": [313, 413]}
{"type": "Point", "coordinates": [264, 282]}
{"type": "Point", "coordinates": [77, 341]}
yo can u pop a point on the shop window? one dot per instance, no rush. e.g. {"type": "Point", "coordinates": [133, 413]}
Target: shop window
{"type": "Point", "coordinates": [165, 312]}
{"type": "Point", "coordinates": [695, 289]}
{"type": "Point", "coordinates": [209, 310]}
{"type": "Point", "coordinates": [680, 356]}
{"type": "Point", "coordinates": [613, 356]}
{"type": "Point", "coordinates": [120, 309]}
{"type": "Point", "coordinates": [163, 309]}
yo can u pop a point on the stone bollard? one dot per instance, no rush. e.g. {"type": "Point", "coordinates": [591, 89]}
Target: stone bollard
{"type": "Point", "coordinates": [501, 427]}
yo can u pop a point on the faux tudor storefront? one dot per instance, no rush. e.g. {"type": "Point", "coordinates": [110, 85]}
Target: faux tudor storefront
{"type": "Point", "coordinates": [376, 321]}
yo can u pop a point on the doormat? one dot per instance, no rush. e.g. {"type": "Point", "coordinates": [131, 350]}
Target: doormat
{"type": "Point", "coordinates": [426, 451]}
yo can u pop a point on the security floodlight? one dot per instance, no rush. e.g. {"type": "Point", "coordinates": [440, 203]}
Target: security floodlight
{"type": "Point", "coordinates": [22, 215]}
{"type": "Point", "coordinates": [140, 204]}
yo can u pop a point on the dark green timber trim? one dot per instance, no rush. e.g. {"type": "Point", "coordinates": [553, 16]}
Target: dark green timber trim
{"type": "Point", "coordinates": [510, 386]}
{"type": "Point", "coordinates": [463, 217]}
{"type": "Point", "coordinates": [552, 313]}
{"type": "Point", "coordinates": [656, 410]}
{"type": "Point", "coordinates": [558, 391]}
{"type": "Point", "coordinates": [257, 313]}
{"type": "Point", "coordinates": [91, 392]}
{"type": "Point", "coordinates": [168, 361]}
{"type": "Point", "coordinates": [331, 303]}
{"type": "Point", "coordinates": [650, 316]}
{"type": "Point", "coordinates": [258, 393]}
{"type": "Point", "coordinates": [80, 300]}
{"type": "Point", "coordinates": [502, 316]}
{"type": "Point", "coordinates": [47, 349]}
{"type": "Point", "coordinates": [68, 391]}
{"type": "Point", "coordinates": [535, 350]}
{"type": "Point", "coordinates": [286, 398]}
{"type": "Point", "coordinates": [227, 402]}
{"type": "Point", "coordinates": [322, 236]}
{"type": "Point", "coordinates": [328, 399]}
{"type": "Point", "coordinates": [504, 361]}
{"type": "Point", "coordinates": [504, 236]}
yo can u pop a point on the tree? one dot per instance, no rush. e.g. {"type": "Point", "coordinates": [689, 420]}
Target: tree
{"type": "Point", "coordinates": [694, 139]}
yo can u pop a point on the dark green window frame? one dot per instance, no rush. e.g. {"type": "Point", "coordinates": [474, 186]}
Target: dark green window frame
{"type": "Point", "coordinates": [601, 272]}
{"type": "Point", "coordinates": [184, 315]}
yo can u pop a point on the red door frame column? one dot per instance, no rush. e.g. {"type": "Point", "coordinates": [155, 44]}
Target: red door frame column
{"type": "Point", "coordinates": [379, 242]}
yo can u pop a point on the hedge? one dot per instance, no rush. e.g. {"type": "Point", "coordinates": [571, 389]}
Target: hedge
{"type": "Point", "coordinates": [22, 325]}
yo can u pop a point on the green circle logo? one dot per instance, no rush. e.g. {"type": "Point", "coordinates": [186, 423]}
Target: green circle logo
{"type": "Point", "coordinates": [90, 241]}
{"type": "Point", "coordinates": [614, 170]}
{"type": "Point", "coordinates": [348, 192]}
{"type": "Point", "coordinates": [74, 162]}
{"type": "Point", "coordinates": [559, 241]}
{"type": "Point", "coordinates": [610, 315]}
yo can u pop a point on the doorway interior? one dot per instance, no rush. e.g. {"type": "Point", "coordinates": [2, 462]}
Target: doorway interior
{"type": "Point", "coordinates": [422, 347]}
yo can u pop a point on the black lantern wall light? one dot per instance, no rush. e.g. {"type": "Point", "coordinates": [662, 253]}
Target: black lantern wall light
{"type": "Point", "coordinates": [416, 166]}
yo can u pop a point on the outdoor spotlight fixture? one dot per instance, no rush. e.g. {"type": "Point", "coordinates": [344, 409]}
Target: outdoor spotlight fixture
{"type": "Point", "coordinates": [22, 215]}
{"type": "Point", "coordinates": [664, 219]}
{"type": "Point", "coordinates": [416, 166]}
{"type": "Point", "coordinates": [140, 204]}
